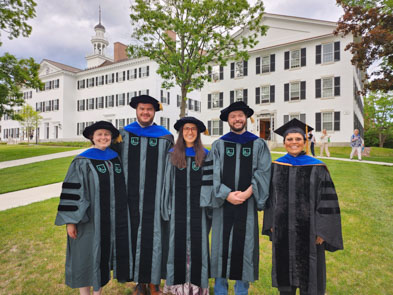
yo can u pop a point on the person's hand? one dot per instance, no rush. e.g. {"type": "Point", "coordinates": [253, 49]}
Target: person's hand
{"type": "Point", "coordinates": [235, 198]}
{"type": "Point", "coordinates": [319, 240]}
{"type": "Point", "coordinates": [72, 231]}
{"type": "Point", "coordinates": [271, 229]}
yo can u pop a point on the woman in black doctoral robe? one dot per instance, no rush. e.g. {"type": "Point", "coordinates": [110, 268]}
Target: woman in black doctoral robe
{"type": "Point", "coordinates": [302, 217]}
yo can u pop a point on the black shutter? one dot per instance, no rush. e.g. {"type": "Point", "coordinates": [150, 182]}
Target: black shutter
{"type": "Point", "coordinates": [147, 91]}
{"type": "Point", "coordinates": [147, 71]}
{"type": "Point", "coordinates": [303, 118]}
{"type": "Point", "coordinates": [303, 57]}
{"type": "Point", "coordinates": [117, 100]}
{"type": "Point", "coordinates": [336, 86]}
{"type": "Point", "coordinates": [336, 121]}
{"type": "Point", "coordinates": [286, 60]}
{"type": "Point", "coordinates": [231, 97]}
{"type": "Point", "coordinates": [77, 85]}
{"type": "Point", "coordinates": [169, 99]}
{"type": "Point", "coordinates": [272, 62]}
{"type": "Point", "coordinates": [303, 90]}
{"type": "Point", "coordinates": [317, 88]}
{"type": "Point", "coordinates": [96, 102]}
{"type": "Point", "coordinates": [113, 77]}
{"type": "Point", "coordinates": [161, 95]}
{"type": "Point", "coordinates": [272, 93]}
{"type": "Point", "coordinates": [221, 99]}
{"type": "Point", "coordinates": [117, 77]}
{"type": "Point", "coordinates": [221, 73]}
{"type": "Point", "coordinates": [106, 101]}
{"type": "Point", "coordinates": [128, 97]}
{"type": "Point", "coordinates": [209, 72]}
{"type": "Point", "coordinates": [317, 122]}
{"type": "Point", "coordinates": [140, 72]}
{"type": "Point", "coordinates": [286, 119]}
{"type": "Point", "coordinates": [258, 66]}
{"type": "Point", "coordinates": [96, 81]}
{"type": "Point", "coordinates": [318, 49]}
{"type": "Point", "coordinates": [209, 101]}
{"type": "Point", "coordinates": [337, 51]}
{"type": "Point", "coordinates": [135, 73]}
{"type": "Point", "coordinates": [257, 95]}
{"type": "Point", "coordinates": [245, 68]}
{"type": "Point", "coordinates": [128, 74]}
{"type": "Point", "coordinates": [220, 130]}
{"type": "Point", "coordinates": [245, 95]}
{"type": "Point", "coordinates": [232, 70]}
{"type": "Point", "coordinates": [106, 79]}
{"type": "Point", "coordinates": [209, 126]}
{"type": "Point", "coordinates": [286, 92]}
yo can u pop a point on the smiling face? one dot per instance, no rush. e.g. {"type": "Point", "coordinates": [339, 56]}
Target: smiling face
{"type": "Point", "coordinates": [102, 138]}
{"type": "Point", "coordinates": [190, 134]}
{"type": "Point", "coordinates": [294, 143]}
{"type": "Point", "coordinates": [145, 114]}
{"type": "Point", "coordinates": [237, 121]}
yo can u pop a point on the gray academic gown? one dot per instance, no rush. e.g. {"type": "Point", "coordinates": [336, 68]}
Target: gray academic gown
{"type": "Point", "coordinates": [143, 160]}
{"type": "Point", "coordinates": [188, 256]}
{"type": "Point", "coordinates": [94, 198]}
{"type": "Point", "coordinates": [235, 235]}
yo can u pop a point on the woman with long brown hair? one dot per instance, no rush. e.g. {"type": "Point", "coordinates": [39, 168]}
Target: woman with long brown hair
{"type": "Point", "coordinates": [188, 254]}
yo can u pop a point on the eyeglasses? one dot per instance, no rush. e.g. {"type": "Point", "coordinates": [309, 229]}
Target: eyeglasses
{"type": "Point", "coordinates": [188, 129]}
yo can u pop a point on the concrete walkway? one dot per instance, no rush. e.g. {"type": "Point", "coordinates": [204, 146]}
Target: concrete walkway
{"type": "Point", "coordinates": [28, 196]}
{"type": "Point", "coordinates": [30, 160]}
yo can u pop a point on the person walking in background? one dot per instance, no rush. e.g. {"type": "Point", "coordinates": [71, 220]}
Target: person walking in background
{"type": "Point", "coordinates": [240, 179]}
{"type": "Point", "coordinates": [311, 137]}
{"type": "Point", "coordinates": [188, 256]}
{"type": "Point", "coordinates": [93, 205]}
{"type": "Point", "coordinates": [356, 144]}
{"type": "Point", "coordinates": [325, 139]}
{"type": "Point", "coordinates": [302, 216]}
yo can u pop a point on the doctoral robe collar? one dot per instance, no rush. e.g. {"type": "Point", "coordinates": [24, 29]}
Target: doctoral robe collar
{"type": "Point", "coordinates": [239, 138]}
{"type": "Point", "coordinates": [190, 152]}
{"type": "Point", "coordinates": [97, 154]}
{"type": "Point", "coordinates": [149, 131]}
{"type": "Point", "coordinates": [300, 160]}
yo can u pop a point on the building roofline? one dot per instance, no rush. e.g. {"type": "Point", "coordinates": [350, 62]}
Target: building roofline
{"type": "Point", "coordinates": [62, 66]}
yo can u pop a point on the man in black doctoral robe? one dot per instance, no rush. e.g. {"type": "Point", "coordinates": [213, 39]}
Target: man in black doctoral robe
{"type": "Point", "coordinates": [302, 216]}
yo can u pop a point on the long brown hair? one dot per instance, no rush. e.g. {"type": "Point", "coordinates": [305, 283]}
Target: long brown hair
{"type": "Point", "coordinates": [178, 156]}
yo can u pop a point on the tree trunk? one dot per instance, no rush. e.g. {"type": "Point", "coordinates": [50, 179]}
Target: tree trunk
{"type": "Point", "coordinates": [382, 139]}
{"type": "Point", "coordinates": [183, 102]}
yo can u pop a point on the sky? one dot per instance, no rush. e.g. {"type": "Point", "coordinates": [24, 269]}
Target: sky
{"type": "Point", "coordinates": [62, 30]}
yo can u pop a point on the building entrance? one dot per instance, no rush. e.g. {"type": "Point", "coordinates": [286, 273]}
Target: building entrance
{"type": "Point", "coordinates": [265, 129]}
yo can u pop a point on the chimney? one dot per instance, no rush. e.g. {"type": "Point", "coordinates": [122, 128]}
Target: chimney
{"type": "Point", "coordinates": [119, 51]}
{"type": "Point", "coordinates": [171, 34]}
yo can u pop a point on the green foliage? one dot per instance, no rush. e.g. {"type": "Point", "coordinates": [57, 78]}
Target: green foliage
{"type": "Point", "coordinates": [15, 74]}
{"type": "Point", "coordinates": [14, 15]}
{"type": "Point", "coordinates": [371, 23]}
{"type": "Point", "coordinates": [378, 111]}
{"type": "Point", "coordinates": [35, 174]}
{"type": "Point", "coordinates": [204, 36]}
{"type": "Point", "coordinates": [28, 119]}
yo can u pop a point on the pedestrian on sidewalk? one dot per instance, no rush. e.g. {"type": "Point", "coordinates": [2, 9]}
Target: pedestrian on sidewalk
{"type": "Point", "coordinates": [356, 144]}
{"type": "Point", "coordinates": [325, 139]}
{"type": "Point", "coordinates": [93, 205]}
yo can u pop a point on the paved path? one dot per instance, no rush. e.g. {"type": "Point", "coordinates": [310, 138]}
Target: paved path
{"type": "Point", "coordinates": [28, 196]}
{"type": "Point", "coordinates": [30, 160]}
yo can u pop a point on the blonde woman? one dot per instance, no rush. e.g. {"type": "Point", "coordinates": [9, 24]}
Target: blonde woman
{"type": "Point", "coordinates": [325, 138]}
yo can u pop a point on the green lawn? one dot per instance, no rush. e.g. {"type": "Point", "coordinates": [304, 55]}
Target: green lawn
{"type": "Point", "coordinates": [32, 249]}
{"type": "Point", "coordinates": [32, 175]}
{"type": "Point", "coordinates": [14, 152]}
{"type": "Point", "coordinates": [377, 154]}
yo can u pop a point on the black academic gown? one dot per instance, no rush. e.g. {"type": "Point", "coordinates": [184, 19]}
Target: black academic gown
{"type": "Point", "coordinates": [302, 205]}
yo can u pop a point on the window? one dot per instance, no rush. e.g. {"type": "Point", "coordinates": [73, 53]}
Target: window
{"type": "Point", "coordinates": [132, 74]}
{"type": "Point", "coordinates": [327, 53]}
{"type": "Point", "coordinates": [79, 128]}
{"type": "Point", "coordinates": [144, 72]}
{"type": "Point", "coordinates": [295, 91]}
{"type": "Point", "coordinates": [110, 101]}
{"type": "Point", "coordinates": [120, 123]}
{"type": "Point", "coordinates": [57, 83]}
{"type": "Point", "coordinates": [327, 121]}
{"type": "Point", "coordinates": [55, 104]}
{"type": "Point", "coordinates": [301, 117]}
{"type": "Point", "coordinates": [239, 69]}
{"type": "Point", "coordinates": [48, 106]}
{"type": "Point", "coordinates": [265, 64]}
{"type": "Point", "coordinates": [327, 87]}
{"type": "Point", "coordinates": [101, 80]}
{"type": "Point", "coordinates": [90, 104]}
{"type": "Point", "coordinates": [122, 76]}
{"type": "Point", "coordinates": [295, 58]}
{"type": "Point", "coordinates": [90, 82]}
{"type": "Point", "coordinates": [110, 78]}
{"type": "Point", "coordinates": [215, 100]}
{"type": "Point", "coordinates": [130, 120]}
{"type": "Point", "coordinates": [121, 99]}
{"type": "Point", "coordinates": [81, 105]}
{"type": "Point", "coordinates": [100, 102]}
{"type": "Point", "coordinates": [164, 122]}
{"type": "Point", "coordinates": [178, 100]}
{"type": "Point", "coordinates": [145, 91]}
{"type": "Point", "coordinates": [190, 104]}
{"type": "Point", "coordinates": [215, 127]}
{"type": "Point", "coordinates": [217, 73]}
{"type": "Point", "coordinates": [265, 94]}
{"type": "Point", "coordinates": [239, 95]}
{"type": "Point", "coordinates": [165, 97]}
{"type": "Point", "coordinates": [197, 106]}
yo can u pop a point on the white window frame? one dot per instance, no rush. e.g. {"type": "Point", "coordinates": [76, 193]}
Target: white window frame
{"type": "Point", "coordinates": [238, 95]}
{"type": "Point", "coordinates": [325, 123]}
{"type": "Point", "coordinates": [90, 104]}
{"type": "Point", "coordinates": [101, 80]}
{"type": "Point", "coordinates": [326, 89]}
{"type": "Point", "coordinates": [55, 104]}
{"type": "Point", "coordinates": [265, 94]}
{"type": "Point", "coordinates": [265, 64]}
{"type": "Point", "coordinates": [100, 102]}
{"type": "Point", "coordinates": [293, 91]}
{"type": "Point", "coordinates": [216, 73]}
{"type": "Point", "coordinates": [294, 116]}
{"type": "Point", "coordinates": [111, 101]}
{"type": "Point", "coordinates": [90, 82]}
{"type": "Point", "coordinates": [295, 61]}
{"type": "Point", "coordinates": [215, 100]}
{"type": "Point", "coordinates": [239, 69]}
{"type": "Point", "coordinates": [165, 122]}
{"type": "Point", "coordinates": [133, 74]}
{"type": "Point", "coordinates": [215, 127]}
{"type": "Point", "coordinates": [110, 80]}
{"type": "Point", "coordinates": [327, 53]}
{"type": "Point", "coordinates": [121, 99]}
{"type": "Point", "coordinates": [144, 72]}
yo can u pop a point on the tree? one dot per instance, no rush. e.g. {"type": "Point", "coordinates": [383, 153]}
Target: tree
{"type": "Point", "coordinates": [371, 23]}
{"type": "Point", "coordinates": [204, 36]}
{"type": "Point", "coordinates": [13, 17]}
{"type": "Point", "coordinates": [14, 73]}
{"type": "Point", "coordinates": [29, 120]}
{"type": "Point", "coordinates": [378, 116]}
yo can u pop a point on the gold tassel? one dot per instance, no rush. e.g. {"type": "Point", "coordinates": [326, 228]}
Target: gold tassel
{"type": "Point", "coordinates": [206, 132]}
{"type": "Point", "coordinates": [119, 139]}
{"type": "Point", "coordinates": [160, 104]}
{"type": "Point", "coordinates": [307, 147]}
{"type": "Point", "coordinates": [252, 120]}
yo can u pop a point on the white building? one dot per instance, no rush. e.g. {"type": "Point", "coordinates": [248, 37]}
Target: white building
{"type": "Point", "coordinates": [298, 70]}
